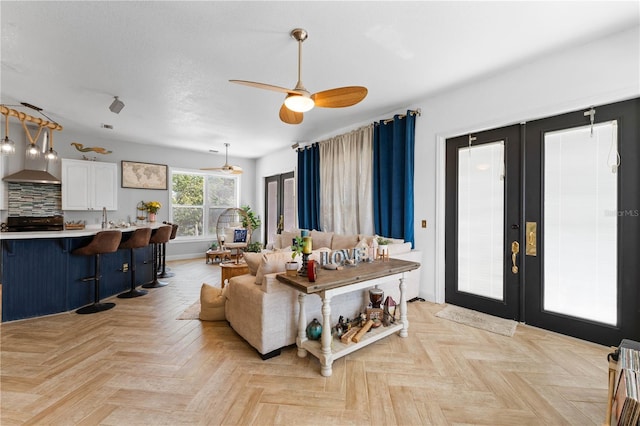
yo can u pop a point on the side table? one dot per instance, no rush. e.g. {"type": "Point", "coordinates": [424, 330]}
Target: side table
{"type": "Point", "coordinates": [217, 256]}
{"type": "Point", "coordinates": [230, 270]}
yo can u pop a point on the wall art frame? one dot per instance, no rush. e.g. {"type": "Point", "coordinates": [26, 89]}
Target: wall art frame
{"type": "Point", "coordinates": [135, 174]}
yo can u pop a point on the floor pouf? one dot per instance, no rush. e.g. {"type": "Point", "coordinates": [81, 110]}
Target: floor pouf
{"type": "Point", "coordinates": [212, 301]}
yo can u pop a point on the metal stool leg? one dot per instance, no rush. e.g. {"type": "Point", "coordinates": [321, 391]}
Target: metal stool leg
{"type": "Point", "coordinates": [163, 263]}
{"type": "Point", "coordinates": [96, 306]}
{"type": "Point", "coordinates": [155, 283]}
{"type": "Point", "coordinates": [134, 292]}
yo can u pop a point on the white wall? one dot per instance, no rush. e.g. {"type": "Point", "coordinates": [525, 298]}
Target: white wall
{"type": "Point", "coordinates": [604, 71]}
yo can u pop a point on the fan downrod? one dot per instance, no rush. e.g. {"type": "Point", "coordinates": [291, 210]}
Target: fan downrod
{"type": "Point", "coordinates": [298, 34]}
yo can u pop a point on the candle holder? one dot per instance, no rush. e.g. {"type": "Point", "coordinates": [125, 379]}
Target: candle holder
{"type": "Point", "coordinates": [305, 260]}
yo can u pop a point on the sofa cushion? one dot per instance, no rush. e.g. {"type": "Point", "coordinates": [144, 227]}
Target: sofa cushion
{"type": "Point", "coordinates": [321, 239]}
{"type": "Point", "coordinates": [212, 300]}
{"type": "Point", "coordinates": [253, 261]}
{"type": "Point", "coordinates": [395, 249]}
{"type": "Point", "coordinates": [271, 263]}
{"type": "Point", "coordinates": [340, 242]}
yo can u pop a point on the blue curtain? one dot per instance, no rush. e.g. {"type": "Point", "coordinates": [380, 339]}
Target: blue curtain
{"type": "Point", "coordinates": [309, 187]}
{"type": "Point", "coordinates": [393, 165]}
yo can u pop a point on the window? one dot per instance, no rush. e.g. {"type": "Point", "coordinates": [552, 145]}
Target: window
{"type": "Point", "coordinates": [198, 198]}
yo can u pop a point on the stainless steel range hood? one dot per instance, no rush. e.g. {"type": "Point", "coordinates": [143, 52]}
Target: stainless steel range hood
{"type": "Point", "coordinates": [35, 171]}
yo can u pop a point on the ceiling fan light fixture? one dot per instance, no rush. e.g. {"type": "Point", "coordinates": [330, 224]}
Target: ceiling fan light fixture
{"type": "Point", "coordinates": [299, 103]}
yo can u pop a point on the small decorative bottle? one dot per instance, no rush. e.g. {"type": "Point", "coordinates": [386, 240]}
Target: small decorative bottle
{"type": "Point", "coordinates": [314, 330]}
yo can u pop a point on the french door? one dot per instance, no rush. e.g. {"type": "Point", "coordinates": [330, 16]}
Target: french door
{"type": "Point", "coordinates": [280, 204]}
{"type": "Point", "coordinates": [556, 243]}
{"type": "Point", "coordinates": [483, 216]}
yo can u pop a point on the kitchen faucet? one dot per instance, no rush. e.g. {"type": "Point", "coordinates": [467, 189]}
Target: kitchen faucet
{"type": "Point", "coordinates": [104, 218]}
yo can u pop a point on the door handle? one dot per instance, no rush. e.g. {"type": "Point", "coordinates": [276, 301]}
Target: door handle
{"type": "Point", "coordinates": [532, 240]}
{"type": "Point", "coordinates": [515, 249]}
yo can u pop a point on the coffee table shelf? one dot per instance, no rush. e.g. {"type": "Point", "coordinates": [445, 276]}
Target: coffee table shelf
{"type": "Point", "coordinates": [339, 349]}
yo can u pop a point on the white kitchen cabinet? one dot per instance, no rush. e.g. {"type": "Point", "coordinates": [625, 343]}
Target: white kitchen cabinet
{"type": "Point", "coordinates": [89, 185]}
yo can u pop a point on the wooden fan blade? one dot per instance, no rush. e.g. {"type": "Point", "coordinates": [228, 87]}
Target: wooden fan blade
{"type": "Point", "coordinates": [340, 97]}
{"type": "Point", "coordinates": [265, 86]}
{"type": "Point", "coordinates": [290, 117]}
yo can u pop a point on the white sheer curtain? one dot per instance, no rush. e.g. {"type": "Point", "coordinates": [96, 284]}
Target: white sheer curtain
{"type": "Point", "coordinates": [346, 199]}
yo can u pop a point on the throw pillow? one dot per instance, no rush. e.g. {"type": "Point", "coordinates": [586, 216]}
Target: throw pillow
{"type": "Point", "coordinates": [321, 239]}
{"type": "Point", "coordinates": [253, 261]}
{"type": "Point", "coordinates": [240, 236]}
{"type": "Point", "coordinates": [340, 242]}
{"type": "Point", "coordinates": [272, 263]}
{"type": "Point", "coordinates": [212, 300]}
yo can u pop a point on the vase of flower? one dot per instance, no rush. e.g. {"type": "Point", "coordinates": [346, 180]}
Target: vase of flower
{"type": "Point", "coordinates": [152, 207]}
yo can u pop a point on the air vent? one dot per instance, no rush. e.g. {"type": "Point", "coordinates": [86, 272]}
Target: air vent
{"type": "Point", "coordinates": [106, 126]}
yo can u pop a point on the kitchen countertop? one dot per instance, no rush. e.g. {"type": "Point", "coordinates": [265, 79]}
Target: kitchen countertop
{"type": "Point", "coordinates": [67, 233]}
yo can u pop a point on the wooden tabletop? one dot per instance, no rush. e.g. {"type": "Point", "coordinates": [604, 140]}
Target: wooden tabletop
{"type": "Point", "coordinates": [365, 271]}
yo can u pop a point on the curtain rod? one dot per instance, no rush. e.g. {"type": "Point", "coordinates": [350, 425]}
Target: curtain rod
{"type": "Point", "coordinates": [302, 145]}
{"type": "Point", "coordinates": [417, 112]}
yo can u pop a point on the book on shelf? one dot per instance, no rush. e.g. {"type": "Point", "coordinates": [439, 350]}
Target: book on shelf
{"type": "Point", "coordinates": [626, 402]}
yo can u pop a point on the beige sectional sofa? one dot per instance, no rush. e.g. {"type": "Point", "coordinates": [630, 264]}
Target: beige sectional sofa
{"type": "Point", "coordinates": [264, 311]}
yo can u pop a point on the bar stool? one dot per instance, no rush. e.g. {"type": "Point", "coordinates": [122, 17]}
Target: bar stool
{"type": "Point", "coordinates": [139, 238]}
{"type": "Point", "coordinates": [103, 242]}
{"type": "Point", "coordinates": [163, 253]}
{"type": "Point", "coordinates": [159, 237]}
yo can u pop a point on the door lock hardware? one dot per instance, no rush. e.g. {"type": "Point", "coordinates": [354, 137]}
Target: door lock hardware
{"type": "Point", "coordinates": [515, 249]}
{"type": "Point", "coordinates": [531, 232]}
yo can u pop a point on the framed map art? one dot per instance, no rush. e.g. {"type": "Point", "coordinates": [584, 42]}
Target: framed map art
{"type": "Point", "coordinates": [144, 175]}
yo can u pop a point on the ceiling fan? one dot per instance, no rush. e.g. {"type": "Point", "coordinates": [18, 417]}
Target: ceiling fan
{"type": "Point", "coordinates": [226, 168]}
{"type": "Point", "coordinates": [299, 100]}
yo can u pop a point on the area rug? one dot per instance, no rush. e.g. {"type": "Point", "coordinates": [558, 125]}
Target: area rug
{"type": "Point", "coordinates": [478, 320]}
{"type": "Point", "coordinates": [191, 313]}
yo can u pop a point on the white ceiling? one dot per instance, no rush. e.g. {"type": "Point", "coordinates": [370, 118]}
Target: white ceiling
{"type": "Point", "coordinates": [170, 62]}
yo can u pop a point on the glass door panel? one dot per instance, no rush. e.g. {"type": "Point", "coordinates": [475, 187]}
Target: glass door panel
{"type": "Point", "coordinates": [280, 205]}
{"type": "Point", "coordinates": [271, 210]}
{"type": "Point", "coordinates": [481, 220]}
{"type": "Point", "coordinates": [289, 202]}
{"type": "Point", "coordinates": [580, 222]}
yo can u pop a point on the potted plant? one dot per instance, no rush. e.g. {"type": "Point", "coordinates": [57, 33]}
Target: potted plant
{"type": "Point", "coordinates": [296, 250]}
{"type": "Point", "coordinates": [254, 247]}
{"type": "Point", "coordinates": [252, 218]}
{"type": "Point", "coordinates": [383, 247]}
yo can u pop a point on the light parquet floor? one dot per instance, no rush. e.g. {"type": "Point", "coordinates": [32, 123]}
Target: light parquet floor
{"type": "Point", "coordinates": [138, 365]}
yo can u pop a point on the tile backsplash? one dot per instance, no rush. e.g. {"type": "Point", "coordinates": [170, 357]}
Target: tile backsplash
{"type": "Point", "coordinates": [34, 199]}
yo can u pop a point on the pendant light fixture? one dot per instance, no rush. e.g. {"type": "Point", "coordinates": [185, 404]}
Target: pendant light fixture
{"type": "Point", "coordinates": [7, 146]}
{"type": "Point", "coordinates": [32, 152]}
{"type": "Point", "coordinates": [51, 154]}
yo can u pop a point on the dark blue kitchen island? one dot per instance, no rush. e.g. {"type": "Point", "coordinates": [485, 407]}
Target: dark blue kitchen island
{"type": "Point", "coordinates": [40, 276]}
